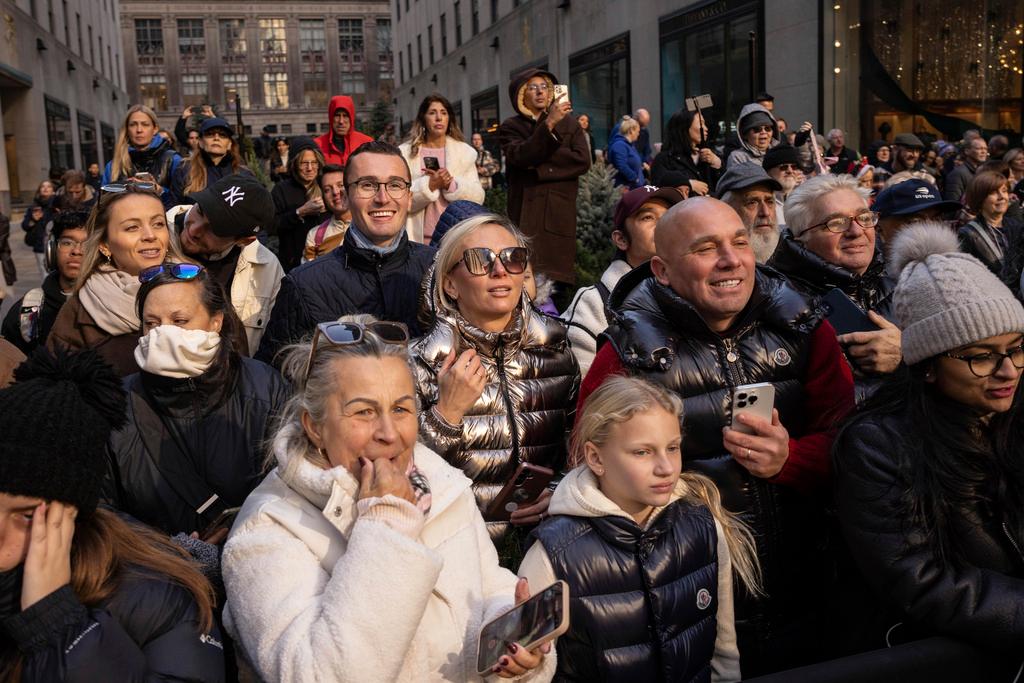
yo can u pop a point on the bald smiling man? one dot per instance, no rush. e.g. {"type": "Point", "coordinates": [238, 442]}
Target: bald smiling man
{"type": "Point", "coordinates": [701, 319]}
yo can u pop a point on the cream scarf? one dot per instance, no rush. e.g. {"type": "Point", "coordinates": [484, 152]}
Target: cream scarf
{"type": "Point", "coordinates": [172, 351]}
{"type": "Point", "coordinates": [109, 297]}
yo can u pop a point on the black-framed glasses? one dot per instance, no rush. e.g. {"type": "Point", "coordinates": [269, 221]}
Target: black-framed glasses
{"type": "Point", "coordinates": [481, 260]}
{"type": "Point", "coordinates": [840, 224]}
{"type": "Point", "coordinates": [347, 333]}
{"type": "Point", "coordinates": [988, 363]}
{"type": "Point", "coordinates": [367, 188]}
{"type": "Point", "coordinates": [179, 271]}
{"type": "Point", "coordinates": [120, 188]}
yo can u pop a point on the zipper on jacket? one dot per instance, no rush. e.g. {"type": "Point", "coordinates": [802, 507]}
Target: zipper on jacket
{"type": "Point", "coordinates": [513, 427]}
{"type": "Point", "coordinates": [1006, 530]}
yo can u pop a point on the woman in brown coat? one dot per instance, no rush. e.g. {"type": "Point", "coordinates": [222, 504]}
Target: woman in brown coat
{"type": "Point", "coordinates": [127, 234]}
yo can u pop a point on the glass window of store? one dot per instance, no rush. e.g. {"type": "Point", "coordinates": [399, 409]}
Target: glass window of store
{"type": "Point", "coordinates": [107, 141]}
{"type": "Point", "coordinates": [484, 110]}
{"type": "Point", "coordinates": [87, 140]}
{"type": "Point", "coordinates": [58, 131]}
{"type": "Point", "coordinates": [599, 85]}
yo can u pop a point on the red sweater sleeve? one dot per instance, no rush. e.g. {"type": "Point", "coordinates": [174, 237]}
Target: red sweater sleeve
{"type": "Point", "coordinates": [606, 363]}
{"type": "Point", "coordinates": [829, 398]}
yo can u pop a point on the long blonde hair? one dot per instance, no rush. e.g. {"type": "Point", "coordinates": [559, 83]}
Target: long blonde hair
{"type": "Point", "coordinates": [616, 401]}
{"type": "Point", "coordinates": [121, 162]}
{"type": "Point", "coordinates": [418, 132]}
{"type": "Point", "coordinates": [196, 179]}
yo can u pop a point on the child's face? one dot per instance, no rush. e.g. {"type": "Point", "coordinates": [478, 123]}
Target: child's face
{"type": "Point", "coordinates": [639, 465]}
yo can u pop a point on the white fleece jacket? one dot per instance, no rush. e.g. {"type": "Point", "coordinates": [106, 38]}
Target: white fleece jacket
{"type": "Point", "coordinates": [587, 309]}
{"type": "Point", "coordinates": [578, 495]}
{"type": "Point", "coordinates": [322, 589]}
{"type": "Point", "coordinates": [460, 161]}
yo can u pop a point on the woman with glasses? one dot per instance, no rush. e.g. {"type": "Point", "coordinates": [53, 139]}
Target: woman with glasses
{"type": "Point", "coordinates": [198, 411]}
{"type": "Point", "coordinates": [298, 201]}
{"type": "Point", "coordinates": [758, 132]}
{"type": "Point", "coordinates": [140, 150]}
{"type": "Point", "coordinates": [127, 234]}
{"type": "Point", "coordinates": [362, 556]}
{"type": "Point", "coordinates": [496, 380]}
{"type": "Point", "coordinates": [929, 482]}
{"type": "Point", "coordinates": [443, 166]}
{"type": "Point", "coordinates": [686, 158]}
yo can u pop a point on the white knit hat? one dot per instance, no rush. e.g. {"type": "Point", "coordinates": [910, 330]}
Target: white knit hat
{"type": "Point", "coordinates": [944, 298]}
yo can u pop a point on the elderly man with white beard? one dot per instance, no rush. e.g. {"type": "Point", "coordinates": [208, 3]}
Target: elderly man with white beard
{"type": "Point", "coordinates": [749, 190]}
{"type": "Point", "coordinates": [783, 163]}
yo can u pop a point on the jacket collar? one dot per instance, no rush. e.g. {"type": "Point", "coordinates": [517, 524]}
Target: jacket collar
{"type": "Point", "coordinates": [183, 397]}
{"type": "Point", "coordinates": [353, 256]}
{"type": "Point", "coordinates": [797, 262]}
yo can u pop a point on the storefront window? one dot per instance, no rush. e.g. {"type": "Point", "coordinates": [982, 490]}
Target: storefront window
{"type": "Point", "coordinates": [58, 130]}
{"type": "Point", "coordinates": [107, 139]}
{"type": "Point", "coordinates": [484, 108]}
{"type": "Point", "coordinates": [599, 86]}
{"type": "Point", "coordinates": [87, 140]}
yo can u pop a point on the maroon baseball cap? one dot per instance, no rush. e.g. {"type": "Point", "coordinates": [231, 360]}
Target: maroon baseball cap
{"type": "Point", "coordinates": [634, 199]}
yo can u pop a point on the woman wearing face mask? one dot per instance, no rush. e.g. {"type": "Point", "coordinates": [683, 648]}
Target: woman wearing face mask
{"type": "Point", "coordinates": [930, 490]}
{"type": "Point", "coordinates": [298, 201]}
{"type": "Point", "coordinates": [361, 556]}
{"type": "Point", "coordinates": [140, 150]}
{"type": "Point", "coordinates": [436, 136]}
{"type": "Point", "coordinates": [197, 412]}
{"type": "Point", "coordinates": [218, 156]}
{"type": "Point", "coordinates": [127, 234]}
{"type": "Point", "coordinates": [496, 380]}
{"type": "Point", "coordinates": [85, 595]}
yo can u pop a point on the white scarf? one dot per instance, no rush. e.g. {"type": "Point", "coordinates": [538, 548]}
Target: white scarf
{"type": "Point", "coordinates": [109, 297]}
{"type": "Point", "coordinates": [172, 351]}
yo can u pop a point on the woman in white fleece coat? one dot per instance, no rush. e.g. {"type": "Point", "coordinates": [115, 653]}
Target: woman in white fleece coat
{"type": "Point", "coordinates": [435, 133]}
{"type": "Point", "coordinates": [362, 556]}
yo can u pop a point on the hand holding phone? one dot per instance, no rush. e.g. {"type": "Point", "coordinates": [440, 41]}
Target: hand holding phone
{"type": "Point", "coordinates": [431, 163]}
{"type": "Point", "coordinates": [561, 93]}
{"type": "Point", "coordinates": [524, 488]}
{"type": "Point", "coordinates": [217, 530]}
{"type": "Point", "coordinates": [844, 315]}
{"type": "Point", "coordinates": [752, 399]}
{"type": "Point", "coordinates": [533, 622]}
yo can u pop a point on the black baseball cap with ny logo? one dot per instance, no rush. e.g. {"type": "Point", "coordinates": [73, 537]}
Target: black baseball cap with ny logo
{"type": "Point", "coordinates": [237, 206]}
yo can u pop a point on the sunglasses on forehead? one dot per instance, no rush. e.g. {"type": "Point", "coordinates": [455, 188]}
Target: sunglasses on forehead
{"type": "Point", "coordinates": [481, 260]}
{"type": "Point", "coordinates": [120, 188]}
{"type": "Point", "coordinates": [349, 333]}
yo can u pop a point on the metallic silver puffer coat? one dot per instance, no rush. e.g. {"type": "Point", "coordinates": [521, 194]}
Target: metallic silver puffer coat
{"type": "Point", "coordinates": [524, 412]}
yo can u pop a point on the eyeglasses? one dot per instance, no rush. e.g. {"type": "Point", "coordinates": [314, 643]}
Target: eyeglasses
{"type": "Point", "coordinates": [988, 363]}
{"type": "Point", "coordinates": [179, 271]}
{"type": "Point", "coordinates": [309, 164]}
{"type": "Point", "coordinates": [760, 129]}
{"type": "Point", "coordinates": [481, 260]}
{"type": "Point", "coordinates": [537, 87]}
{"type": "Point", "coordinates": [368, 189]}
{"type": "Point", "coordinates": [840, 224]}
{"type": "Point", "coordinates": [347, 334]}
{"type": "Point", "coordinates": [66, 243]}
{"type": "Point", "coordinates": [120, 188]}
{"type": "Point", "coordinates": [787, 167]}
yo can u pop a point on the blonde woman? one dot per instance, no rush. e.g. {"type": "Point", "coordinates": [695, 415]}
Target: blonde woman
{"type": "Point", "coordinates": [443, 166]}
{"type": "Point", "coordinates": [139, 150]}
{"type": "Point", "coordinates": [496, 380]}
{"type": "Point", "coordinates": [647, 549]}
{"type": "Point", "coordinates": [622, 155]}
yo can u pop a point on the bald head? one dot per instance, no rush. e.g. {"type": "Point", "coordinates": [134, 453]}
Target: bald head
{"type": "Point", "coordinates": [693, 213]}
{"type": "Point", "coordinates": [643, 116]}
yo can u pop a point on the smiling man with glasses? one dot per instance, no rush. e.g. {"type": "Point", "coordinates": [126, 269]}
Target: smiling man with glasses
{"type": "Point", "coordinates": [376, 270]}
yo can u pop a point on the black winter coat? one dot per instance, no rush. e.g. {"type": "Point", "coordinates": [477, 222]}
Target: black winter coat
{"type": "Point", "coordinates": [643, 602]}
{"type": "Point", "coordinates": [214, 172]}
{"type": "Point", "coordinates": [979, 598]}
{"type": "Point", "coordinates": [673, 170]}
{"type": "Point", "coordinates": [53, 299]}
{"type": "Point", "coordinates": [291, 231]}
{"type": "Point", "coordinates": [347, 281]}
{"type": "Point", "coordinates": [148, 630]}
{"type": "Point", "coordinates": [207, 434]}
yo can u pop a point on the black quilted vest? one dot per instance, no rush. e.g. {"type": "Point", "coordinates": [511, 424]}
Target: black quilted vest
{"type": "Point", "coordinates": [660, 337]}
{"type": "Point", "coordinates": [643, 602]}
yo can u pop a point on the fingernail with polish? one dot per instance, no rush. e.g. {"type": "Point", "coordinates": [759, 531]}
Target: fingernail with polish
{"type": "Point", "coordinates": [513, 647]}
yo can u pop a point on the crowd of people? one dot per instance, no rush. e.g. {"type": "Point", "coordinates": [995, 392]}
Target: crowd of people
{"type": "Point", "coordinates": [280, 433]}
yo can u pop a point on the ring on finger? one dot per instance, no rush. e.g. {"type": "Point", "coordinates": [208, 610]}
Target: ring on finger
{"type": "Point", "coordinates": [747, 456]}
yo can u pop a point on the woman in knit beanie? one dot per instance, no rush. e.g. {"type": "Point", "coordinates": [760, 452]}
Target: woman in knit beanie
{"type": "Point", "coordinates": [84, 596]}
{"type": "Point", "coordinates": [929, 474]}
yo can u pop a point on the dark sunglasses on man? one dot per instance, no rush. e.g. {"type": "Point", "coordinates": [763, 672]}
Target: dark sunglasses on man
{"type": "Point", "coordinates": [481, 260]}
{"type": "Point", "coordinates": [347, 333]}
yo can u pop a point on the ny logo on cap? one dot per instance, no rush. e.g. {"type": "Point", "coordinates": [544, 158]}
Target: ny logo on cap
{"type": "Point", "coordinates": [232, 195]}
{"type": "Point", "coordinates": [651, 188]}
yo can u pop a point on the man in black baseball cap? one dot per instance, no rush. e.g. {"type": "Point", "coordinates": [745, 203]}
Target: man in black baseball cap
{"type": "Point", "coordinates": [219, 231]}
{"type": "Point", "coordinates": [911, 201]}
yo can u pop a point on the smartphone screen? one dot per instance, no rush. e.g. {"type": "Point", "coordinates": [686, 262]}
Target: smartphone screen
{"type": "Point", "coordinates": [431, 163]}
{"type": "Point", "coordinates": [527, 625]}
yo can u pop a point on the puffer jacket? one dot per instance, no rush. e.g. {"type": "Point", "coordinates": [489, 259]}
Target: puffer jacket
{"type": "Point", "coordinates": [158, 158]}
{"type": "Point", "coordinates": [979, 598]}
{"type": "Point", "coordinates": [525, 410]}
{"type": "Point", "coordinates": [346, 281]}
{"type": "Point", "coordinates": [629, 167]}
{"type": "Point", "coordinates": [148, 629]}
{"type": "Point", "coordinates": [189, 439]}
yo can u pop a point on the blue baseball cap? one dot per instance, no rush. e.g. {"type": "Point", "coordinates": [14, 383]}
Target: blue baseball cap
{"type": "Point", "coordinates": [216, 122]}
{"type": "Point", "coordinates": [909, 197]}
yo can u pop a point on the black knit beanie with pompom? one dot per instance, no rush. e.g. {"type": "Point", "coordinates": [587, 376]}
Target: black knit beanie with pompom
{"type": "Point", "coordinates": [54, 424]}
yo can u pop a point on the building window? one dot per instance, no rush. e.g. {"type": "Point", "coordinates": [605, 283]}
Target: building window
{"type": "Point", "coordinates": [310, 127]}
{"type": "Point", "coordinates": [275, 90]}
{"type": "Point", "coordinates": [494, 11]}
{"type": "Point", "coordinates": [236, 83]}
{"type": "Point", "coordinates": [49, 17]}
{"type": "Point", "coordinates": [273, 57]}
{"type": "Point", "coordinates": [87, 140]}
{"type": "Point", "coordinates": [474, 15]}
{"type": "Point", "coordinates": [92, 48]}
{"type": "Point", "coordinates": [81, 44]}
{"type": "Point", "coordinates": [103, 64]}
{"type": "Point", "coordinates": [107, 140]}
{"type": "Point", "coordinates": [149, 42]}
{"type": "Point", "coordinates": [233, 49]}
{"type": "Point", "coordinates": [353, 83]}
{"type": "Point", "coordinates": [599, 85]}
{"type": "Point", "coordinates": [444, 35]}
{"type": "Point", "coordinates": [58, 131]}
{"type": "Point", "coordinates": [430, 42]}
{"type": "Point", "coordinates": [286, 129]}
{"type": "Point", "coordinates": [384, 57]}
{"type": "Point", "coordinates": [398, 9]}
{"type": "Point", "coordinates": [153, 91]}
{"type": "Point", "coordinates": [191, 42]}
{"type": "Point", "coordinates": [484, 110]}
{"type": "Point", "coordinates": [350, 40]}
{"type": "Point", "coordinates": [313, 51]}
{"type": "Point", "coordinates": [401, 68]}
{"type": "Point", "coordinates": [419, 51]}
{"type": "Point", "coordinates": [458, 24]}
{"type": "Point", "coordinates": [408, 57]}
{"type": "Point", "coordinates": [194, 89]}
{"type": "Point", "coordinates": [67, 24]}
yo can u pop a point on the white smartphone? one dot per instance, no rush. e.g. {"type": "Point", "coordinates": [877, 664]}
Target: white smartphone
{"type": "Point", "coordinates": [543, 617]}
{"type": "Point", "coordinates": [752, 399]}
{"type": "Point", "coordinates": [561, 92]}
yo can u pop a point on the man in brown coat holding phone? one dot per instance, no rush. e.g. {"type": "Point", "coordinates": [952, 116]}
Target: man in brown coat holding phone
{"type": "Point", "coordinates": [545, 153]}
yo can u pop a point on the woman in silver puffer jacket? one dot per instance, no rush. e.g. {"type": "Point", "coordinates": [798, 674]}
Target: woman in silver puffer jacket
{"type": "Point", "coordinates": [496, 380]}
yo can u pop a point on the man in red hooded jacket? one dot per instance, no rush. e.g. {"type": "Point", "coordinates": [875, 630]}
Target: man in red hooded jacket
{"type": "Point", "coordinates": [343, 138]}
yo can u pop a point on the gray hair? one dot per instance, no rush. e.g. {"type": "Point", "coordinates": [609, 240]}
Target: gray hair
{"type": "Point", "coordinates": [311, 393]}
{"type": "Point", "coordinates": [802, 202]}
{"type": "Point", "coordinates": [833, 133]}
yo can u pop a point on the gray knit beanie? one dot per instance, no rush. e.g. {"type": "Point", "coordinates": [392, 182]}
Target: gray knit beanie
{"type": "Point", "coordinates": [944, 298]}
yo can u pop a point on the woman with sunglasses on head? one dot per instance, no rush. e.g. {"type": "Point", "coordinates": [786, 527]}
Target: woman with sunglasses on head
{"type": "Point", "coordinates": [198, 412]}
{"type": "Point", "coordinates": [929, 482]}
{"type": "Point", "coordinates": [139, 150]}
{"type": "Point", "coordinates": [443, 166]}
{"type": "Point", "coordinates": [496, 380]}
{"type": "Point", "coordinates": [127, 234]}
{"type": "Point", "coordinates": [362, 556]}
{"type": "Point", "coordinates": [298, 201]}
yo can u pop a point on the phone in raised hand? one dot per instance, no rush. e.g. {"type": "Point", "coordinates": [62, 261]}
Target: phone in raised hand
{"type": "Point", "coordinates": [561, 93]}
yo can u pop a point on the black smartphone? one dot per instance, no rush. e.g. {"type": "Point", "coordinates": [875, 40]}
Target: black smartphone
{"type": "Point", "coordinates": [542, 618]}
{"type": "Point", "coordinates": [224, 521]}
{"type": "Point", "coordinates": [844, 315]}
{"type": "Point", "coordinates": [431, 164]}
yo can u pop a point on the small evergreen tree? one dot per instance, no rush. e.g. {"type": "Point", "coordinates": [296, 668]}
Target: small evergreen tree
{"type": "Point", "coordinates": [380, 117]}
{"type": "Point", "coordinates": [595, 211]}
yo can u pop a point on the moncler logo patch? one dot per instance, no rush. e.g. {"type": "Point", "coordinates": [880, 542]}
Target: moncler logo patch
{"type": "Point", "coordinates": [233, 194]}
{"type": "Point", "coordinates": [781, 357]}
{"type": "Point", "coordinates": [703, 598]}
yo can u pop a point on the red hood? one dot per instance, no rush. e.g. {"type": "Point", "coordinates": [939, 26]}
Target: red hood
{"type": "Point", "coordinates": [353, 138]}
{"type": "Point", "coordinates": [346, 103]}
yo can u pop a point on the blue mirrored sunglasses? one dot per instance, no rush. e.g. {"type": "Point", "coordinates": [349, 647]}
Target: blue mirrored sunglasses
{"type": "Point", "coordinates": [179, 271]}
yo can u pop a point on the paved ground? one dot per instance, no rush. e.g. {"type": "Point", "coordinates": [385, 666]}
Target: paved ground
{"type": "Point", "coordinates": [24, 261]}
